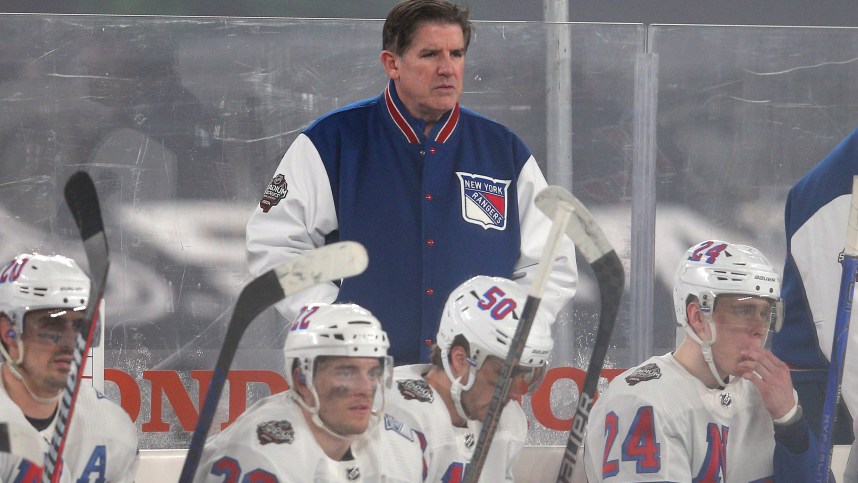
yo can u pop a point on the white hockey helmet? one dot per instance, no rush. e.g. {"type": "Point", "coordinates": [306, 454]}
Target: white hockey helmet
{"type": "Point", "coordinates": [486, 310]}
{"type": "Point", "coordinates": [712, 268]}
{"type": "Point", "coordinates": [335, 330]}
{"type": "Point", "coordinates": [715, 267]}
{"type": "Point", "coordinates": [34, 282]}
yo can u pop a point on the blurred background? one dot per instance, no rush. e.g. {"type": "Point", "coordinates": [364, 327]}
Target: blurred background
{"type": "Point", "coordinates": [670, 134]}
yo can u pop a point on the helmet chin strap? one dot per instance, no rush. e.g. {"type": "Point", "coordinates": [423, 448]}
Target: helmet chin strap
{"type": "Point", "coordinates": [456, 386]}
{"type": "Point", "coordinates": [16, 368]}
{"type": "Point", "coordinates": [706, 347]}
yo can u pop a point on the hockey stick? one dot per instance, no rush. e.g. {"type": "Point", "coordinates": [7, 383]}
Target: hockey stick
{"type": "Point", "coordinates": [562, 213]}
{"type": "Point", "coordinates": [848, 278]}
{"type": "Point", "coordinates": [594, 246]}
{"type": "Point", "coordinates": [83, 203]}
{"type": "Point", "coordinates": [332, 262]}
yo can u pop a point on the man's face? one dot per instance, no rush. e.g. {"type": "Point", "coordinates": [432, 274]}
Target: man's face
{"type": "Point", "coordinates": [741, 322]}
{"type": "Point", "coordinates": [346, 387]}
{"type": "Point", "coordinates": [428, 75]}
{"type": "Point", "coordinates": [49, 341]}
{"type": "Point", "coordinates": [476, 401]}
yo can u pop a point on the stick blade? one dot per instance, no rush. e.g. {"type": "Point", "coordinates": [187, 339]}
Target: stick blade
{"type": "Point", "coordinates": [83, 203]}
{"type": "Point", "coordinates": [582, 228]}
{"type": "Point", "coordinates": [332, 262]}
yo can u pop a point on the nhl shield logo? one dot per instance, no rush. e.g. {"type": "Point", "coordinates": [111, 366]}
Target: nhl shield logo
{"type": "Point", "coordinates": [484, 200]}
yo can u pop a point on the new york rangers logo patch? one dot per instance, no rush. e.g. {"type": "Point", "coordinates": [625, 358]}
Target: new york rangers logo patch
{"type": "Point", "coordinates": [275, 192]}
{"type": "Point", "coordinates": [484, 200]}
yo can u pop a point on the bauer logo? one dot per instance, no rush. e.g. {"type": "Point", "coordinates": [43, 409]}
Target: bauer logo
{"type": "Point", "coordinates": [275, 192]}
{"type": "Point", "coordinates": [484, 200]}
{"type": "Point", "coordinates": [764, 278]}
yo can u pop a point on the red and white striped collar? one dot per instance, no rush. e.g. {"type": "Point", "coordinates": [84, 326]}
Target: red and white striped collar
{"type": "Point", "coordinates": [396, 110]}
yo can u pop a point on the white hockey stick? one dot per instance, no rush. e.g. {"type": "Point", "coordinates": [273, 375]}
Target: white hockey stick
{"type": "Point", "coordinates": [594, 246]}
{"type": "Point", "coordinates": [83, 203]}
{"type": "Point", "coordinates": [332, 262]}
{"type": "Point", "coordinates": [562, 213]}
{"type": "Point", "coordinates": [849, 276]}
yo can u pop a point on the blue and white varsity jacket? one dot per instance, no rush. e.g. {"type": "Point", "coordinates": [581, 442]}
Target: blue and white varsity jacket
{"type": "Point", "coordinates": [432, 212]}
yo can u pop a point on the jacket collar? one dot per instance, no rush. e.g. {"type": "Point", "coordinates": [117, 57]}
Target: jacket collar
{"type": "Point", "coordinates": [411, 127]}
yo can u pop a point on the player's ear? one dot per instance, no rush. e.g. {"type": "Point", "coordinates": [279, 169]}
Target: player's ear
{"type": "Point", "coordinates": [390, 62]}
{"type": "Point", "coordinates": [695, 317]}
{"type": "Point", "coordinates": [459, 361]}
{"type": "Point", "coordinates": [301, 384]}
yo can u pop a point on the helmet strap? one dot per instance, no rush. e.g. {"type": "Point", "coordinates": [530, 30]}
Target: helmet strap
{"type": "Point", "coordinates": [706, 345]}
{"type": "Point", "coordinates": [456, 386]}
{"type": "Point", "coordinates": [15, 368]}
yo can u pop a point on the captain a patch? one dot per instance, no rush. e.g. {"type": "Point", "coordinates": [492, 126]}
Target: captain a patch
{"type": "Point", "coordinates": [644, 373]}
{"type": "Point", "coordinates": [484, 200]}
{"type": "Point", "coordinates": [277, 432]}
{"type": "Point", "coordinates": [275, 192]}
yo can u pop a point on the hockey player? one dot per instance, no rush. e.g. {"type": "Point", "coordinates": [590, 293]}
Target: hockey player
{"type": "Point", "coordinates": [326, 426]}
{"type": "Point", "coordinates": [720, 406]}
{"type": "Point", "coordinates": [449, 398]}
{"type": "Point", "coordinates": [452, 182]}
{"type": "Point", "coordinates": [42, 302]}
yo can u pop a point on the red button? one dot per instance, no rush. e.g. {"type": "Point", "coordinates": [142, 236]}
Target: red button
{"type": "Point", "coordinates": [432, 151]}
{"type": "Point", "coordinates": [430, 291]}
{"type": "Point", "coordinates": [430, 242]}
{"type": "Point", "coordinates": [428, 196]}
{"type": "Point", "coordinates": [428, 342]}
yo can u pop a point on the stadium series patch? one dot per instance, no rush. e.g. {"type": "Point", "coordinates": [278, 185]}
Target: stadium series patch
{"type": "Point", "coordinates": [484, 200]}
{"type": "Point", "coordinates": [416, 389]}
{"type": "Point", "coordinates": [275, 432]}
{"type": "Point", "coordinates": [275, 192]}
{"type": "Point", "coordinates": [644, 373]}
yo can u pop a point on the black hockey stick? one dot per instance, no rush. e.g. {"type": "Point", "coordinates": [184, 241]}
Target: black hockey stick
{"type": "Point", "coordinates": [83, 203]}
{"type": "Point", "coordinates": [609, 271]}
{"type": "Point", "coordinates": [848, 279]}
{"type": "Point", "coordinates": [331, 262]}
{"type": "Point", "coordinates": [561, 215]}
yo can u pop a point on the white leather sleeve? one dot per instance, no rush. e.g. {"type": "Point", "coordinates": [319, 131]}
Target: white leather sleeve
{"type": "Point", "coordinates": [298, 223]}
{"type": "Point", "coordinates": [535, 227]}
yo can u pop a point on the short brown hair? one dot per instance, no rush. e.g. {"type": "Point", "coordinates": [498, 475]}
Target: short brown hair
{"type": "Point", "coordinates": [404, 18]}
{"type": "Point", "coordinates": [458, 340]}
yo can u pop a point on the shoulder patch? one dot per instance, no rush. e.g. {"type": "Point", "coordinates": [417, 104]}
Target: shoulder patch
{"type": "Point", "coordinates": [416, 389]}
{"type": "Point", "coordinates": [644, 373]}
{"type": "Point", "coordinates": [275, 192]}
{"type": "Point", "coordinates": [275, 432]}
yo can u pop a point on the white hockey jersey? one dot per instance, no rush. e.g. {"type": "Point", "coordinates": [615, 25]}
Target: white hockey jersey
{"type": "Point", "coordinates": [102, 443]}
{"type": "Point", "coordinates": [21, 455]}
{"type": "Point", "coordinates": [449, 448]}
{"type": "Point", "coordinates": [657, 422]}
{"type": "Point", "coordinates": [272, 442]}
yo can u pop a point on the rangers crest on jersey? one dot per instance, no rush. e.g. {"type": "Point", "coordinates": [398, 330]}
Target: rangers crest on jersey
{"type": "Point", "coordinates": [275, 192]}
{"type": "Point", "coordinates": [484, 200]}
{"type": "Point", "coordinates": [275, 432]}
{"type": "Point", "coordinates": [416, 389]}
{"type": "Point", "coordinates": [397, 426]}
{"type": "Point", "coordinates": [644, 373]}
